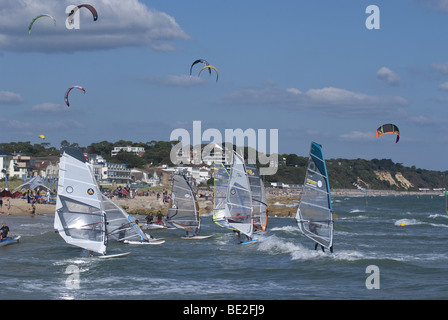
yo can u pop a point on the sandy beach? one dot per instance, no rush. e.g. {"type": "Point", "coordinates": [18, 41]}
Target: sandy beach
{"type": "Point", "coordinates": [281, 202]}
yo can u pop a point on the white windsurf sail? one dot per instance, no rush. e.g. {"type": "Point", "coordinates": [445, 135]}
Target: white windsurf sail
{"type": "Point", "coordinates": [221, 178]}
{"type": "Point", "coordinates": [183, 212]}
{"type": "Point", "coordinates": [120, 226]}
{"type": "Point", "coordinates": [314, 215]}
{"type": "Point", "coordinates": [79, 218]}
{"type": "Point", "coordinates": [259, 202]}
{"type": "Point", "coordinates": [239, 198]}
{"type": "Point", "coordinates": [84, 217]}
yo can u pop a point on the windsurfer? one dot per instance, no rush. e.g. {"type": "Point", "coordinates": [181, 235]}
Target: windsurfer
{"type": "Point", "coordinates": [149, 218]}
{"type": "Point", "coordinates": [239, 236]}
{"type": "Point", "coordinates": [313, 228]}
{"type": "Point", "coordinates": [159, 217]}
{"type": "Point", "coordinates": [122, 232]}
{"type": "Point", "coordinates": [4, 231]}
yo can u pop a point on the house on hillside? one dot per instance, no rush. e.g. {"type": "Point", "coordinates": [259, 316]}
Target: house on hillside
{"type": "Point", "coordinates": [5, 163]}
{"type": "Point", "coordinates": [115, 173]}
{"type": "Point", "coordinates": [145, 177]}
{"type": "Point", "coordinates": [139, 151]}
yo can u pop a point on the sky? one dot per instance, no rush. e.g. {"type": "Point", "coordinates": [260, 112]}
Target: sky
{"type": "Point", "coordinates": [312, 70]}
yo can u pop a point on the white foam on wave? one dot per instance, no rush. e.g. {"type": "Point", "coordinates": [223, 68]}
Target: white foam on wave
{"type": "Point", "coordinates": [287, 229]}
{"type": "Point", "coordinates": [291, 205]}
{"type": "Point", "coordinates": [275, 245]}
{"type": "Point", "coordinates": [407, 222]}
{"type": "Point", "coordinates": [413, 222]}
{"type": "Point", "coordinates": [438, 215]}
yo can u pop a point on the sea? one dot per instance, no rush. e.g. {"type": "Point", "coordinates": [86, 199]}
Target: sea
{"type": "Point", "coordinates": [385, 248]}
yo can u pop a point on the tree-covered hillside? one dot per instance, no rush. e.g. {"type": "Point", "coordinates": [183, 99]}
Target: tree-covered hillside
{"type": "Point", "coordinates": [371, 174]}
{"type": "Point", "coordinates": [343, 173]}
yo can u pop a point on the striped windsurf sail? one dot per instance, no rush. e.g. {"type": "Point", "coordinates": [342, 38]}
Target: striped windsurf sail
{"type": "Point", "coordinates": [259, 202]}
{"type": "Point", "coordinates": [80, 218]}
{"type": "Point", "coordinates": [221, 178]}
{"type": "Point", "coordinates": [239, 198]}
{"type": "Point", "coordinates": [183, 212]}
{"type": "Point", "coordinates": [120, 226]}
{"type": "Point", "coordinates": [314, 215]}
{"type": "Point", "coordinates": [84, 217]}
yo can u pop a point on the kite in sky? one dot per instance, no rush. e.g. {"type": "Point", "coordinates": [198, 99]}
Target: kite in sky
{"type": "Point", "coordinates": [88, 6]}
{"type": "Point", "coordinates": [200, 61]}
{"type": "Point", "coordinates": [68, 91]}
{"type": "Point", "coordinates": [388, 128]}
{"type": "Point", "coordinates": [42, 15]}
{"type": "Point", "coordinates": [209, 68]}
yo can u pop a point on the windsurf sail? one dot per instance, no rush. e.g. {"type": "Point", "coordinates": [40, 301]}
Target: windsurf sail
{"type": "Point", "coordinates": [259, 202]}
{"type": "Point", "coordinates": [183, 212]}
{"type": "Point", "coordinates": [80, 218]}
{"type": "Point", "coordinates": [221, 178]}
{"type": "Point", "coordinates": [314, 215]}
{"type": "Point", "coordinates": [84, 217]}
{"type": "Point", "coordinates": [120, 226]}
{"type": "Point", "coordinates": [239, 198]}
{"type": "Point", "coordinates": [446, 201]}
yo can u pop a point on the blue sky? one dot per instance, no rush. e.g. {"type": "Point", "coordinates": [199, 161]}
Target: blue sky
{"type": "Point", "coordinates": [310, 69]}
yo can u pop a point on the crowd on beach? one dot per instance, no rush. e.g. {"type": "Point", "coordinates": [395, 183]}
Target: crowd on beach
{"type": "Point", "coordinates": [130, 193]}
{"type": "Point", "coordinates": [32, 197]}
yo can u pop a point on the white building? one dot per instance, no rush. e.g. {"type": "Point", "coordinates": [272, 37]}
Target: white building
{"type": "Point", "coordinates": [115, 173]}
{"type": "Point", "coordinates": [148, 178]}
{"type": "Point", "coordinates": [197, 175]}
{"type": "Point", "coordinates": [5, 162]}
{"type": "Point", "coordinates": [137, 150]}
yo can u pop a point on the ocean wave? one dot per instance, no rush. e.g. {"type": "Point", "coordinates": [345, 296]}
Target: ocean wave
{"type": "Point", "coordinates": [291, 205]}
{"type": "Point", "coordinates": [413, 222]}
{"type": "Point", "coordinates": [287, 229]}
{"type": "Point", "coordinates": [357, 210]}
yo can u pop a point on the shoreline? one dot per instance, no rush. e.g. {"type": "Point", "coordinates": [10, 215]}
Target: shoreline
{"type": "Point", "coordinates": [281, 202]}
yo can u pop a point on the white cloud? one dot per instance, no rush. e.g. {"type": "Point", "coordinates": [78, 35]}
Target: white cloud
{"type": "Point", "coordinates": [7, 97]}
{"type": "Point", "coordinates": [38, 126]}
{"type": "Point", "coordinates": [331, 100]}
{"type": "Point", "coordinates": [175, 81]}
{"type": "Point", "coordinates": [120, 24]}
{"type": "Point", "coordinates": [357, 136]}
{"type": "Point", "coordinates": [440, 67]}
{"type": "Point", "coordinates": [443, 86]}
{"type": "Point", "coordinates": [48, 107]}
{"type": "Point", "coordinates": [427, 119]}
{"type": "Point", "coordinates": [437, 5]}
{"type": "Point", "coordinates": [388, 76]}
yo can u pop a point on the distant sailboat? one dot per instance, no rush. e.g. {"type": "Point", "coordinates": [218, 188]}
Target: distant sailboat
{"type": "Point", "coordinates": [259, 202]}
{"type": "Point", "coordinates": [239, 199]}
{"type": "Point", "coordinates": [84, 217]}
{"type": "Point", "coordinates": [446, 201]}
{"type": "Point", "coordinates": [314, 215]}
{"type": "Point", "coordinates": [183, 212]}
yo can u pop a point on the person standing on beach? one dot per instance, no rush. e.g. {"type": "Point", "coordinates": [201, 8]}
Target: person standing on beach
{"type": "Point", "coordinates": [33, 210]}
{"type": "Point", "coordinates": [8, 206]}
